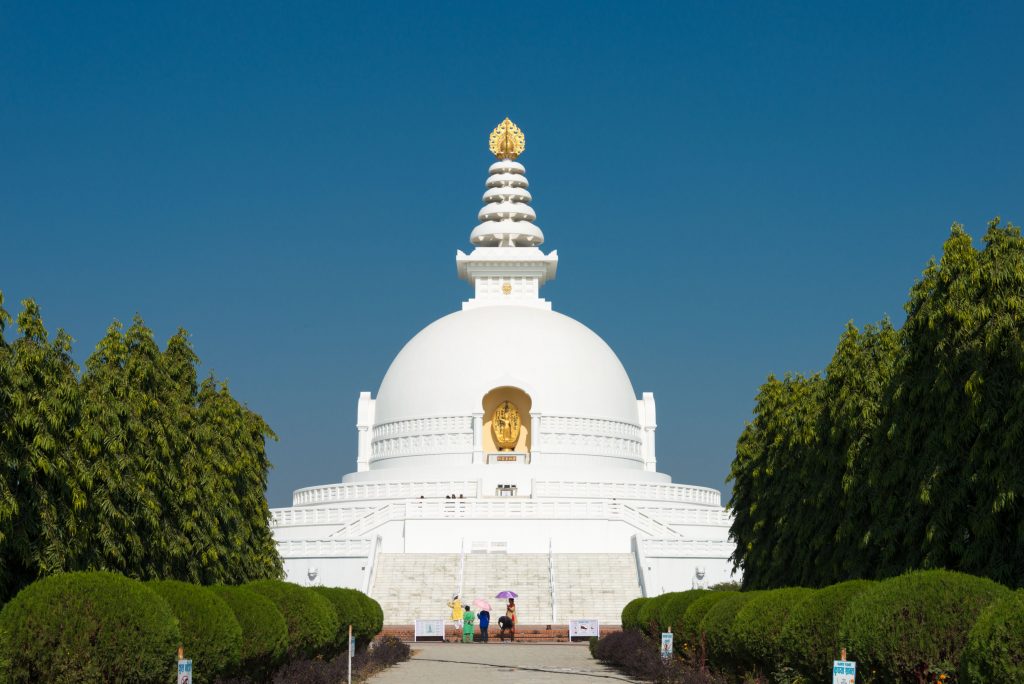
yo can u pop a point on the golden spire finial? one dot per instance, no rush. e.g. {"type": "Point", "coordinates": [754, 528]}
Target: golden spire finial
{"type": "Point", "coordinates": [507, 141]}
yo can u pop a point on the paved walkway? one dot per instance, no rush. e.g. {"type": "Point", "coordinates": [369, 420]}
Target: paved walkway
{"type": "Point", "coordinates": [498, 663]}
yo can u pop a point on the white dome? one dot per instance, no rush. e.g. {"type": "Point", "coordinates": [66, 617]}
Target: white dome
{"type": "Point", "coordinates": [448, 367]}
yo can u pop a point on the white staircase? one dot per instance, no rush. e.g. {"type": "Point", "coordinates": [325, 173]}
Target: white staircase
{"type": "Point", "coordinates": [524, 573]}
{"type": "Point", "coordinates": [594, 585]}
{"type": "Point", "coordinates": [587, 585]}
{"type": "Point", "coordinates": [415, 585]}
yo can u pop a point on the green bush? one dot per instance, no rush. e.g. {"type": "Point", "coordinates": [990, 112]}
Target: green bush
{"type": "Point", "coordinates": [915, 625]}
{"type": "Point", "coordinates": [264, 632]}
{"type": "Point", "coordinates": [672, 615]}
{"type": "Point", "coordinates": [689, 629]}
{"type": "Point", "coordinates": [209, 631]}
{"type": "Point", "coordinates": [810, 637]}
{"type": "Point", "coordinates": [631, 613]}
{"type": "Point", "coordinates": [353, 608]}
{"type": "Point", "coordinates": [995, 645]}
{"type": "Point", "coordinates": [647, 616]}
{"type": "Point", "coordinates": [372, 608]}
{"type": "Point", "coordinates": [312, 623]}
{"type": "Point", "coordinates": [89, 627]}
{"type": "Point", "coordinates": [723, 651]}
{"type": "Point", "coordinates": [757, 630]}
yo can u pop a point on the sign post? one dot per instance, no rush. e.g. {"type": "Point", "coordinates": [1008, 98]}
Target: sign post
{"type": "Point", "coordinates": [184, 667]}
{"type": "Point", "coordinates": [844, 671]}
{"type": "Point", "coordinates": [351, 647]}
{"type": "Point", "coordinates": [428, 629]}
{"type": "Point", "coordinates": [666, 645]}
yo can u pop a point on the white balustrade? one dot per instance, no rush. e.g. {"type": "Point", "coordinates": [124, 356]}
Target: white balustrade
{"type": "Point", "coordinates": [324, 548]}
{"type": "Point", "coordinates": [643, 491]}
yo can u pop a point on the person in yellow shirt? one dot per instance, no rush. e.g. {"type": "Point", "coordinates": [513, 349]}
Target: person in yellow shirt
{"type": "Point", "coordinates": [456, 616]}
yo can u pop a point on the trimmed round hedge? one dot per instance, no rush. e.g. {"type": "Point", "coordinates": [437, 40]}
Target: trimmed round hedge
{"type": "Point", "coordinates": [757, 630]}
{"type": "Point", "coordinates": [689, 628]}
{"type": "Point", "coordinates": [810, 637]}
{"type": "Point", "coordinates": [647, 617]}
{"type": "Point", "coordinates": [631, 613]}
{"type": "Point", "coordinates": [915, 624]}
{"type": "Point", "coordinates": [352, 608]}
{"type": "Point", "coordinates": [312, 622]}
{"type": "Point", "coordinates": [723, 650]}
{"type": "Point", "coordinates": [88, 627]}
{"type": "Point", "coordinates": [995, 645]}
{"type": "Point", "coordinates": [264, 631]}
{"type": "Point", "coordinates": [210, 633]}
{"type": "Point", "coordinates": [674, 610]}
{"type": "Point", "coordinates": [375, 611]}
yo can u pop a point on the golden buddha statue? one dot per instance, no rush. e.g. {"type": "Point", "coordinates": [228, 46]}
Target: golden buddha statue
{"type": "Point", "coordinates": [505, 424]}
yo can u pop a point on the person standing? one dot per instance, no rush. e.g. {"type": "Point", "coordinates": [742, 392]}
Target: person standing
{"type": "Point", "coordinates": [468, 618]}
{"type": "Point", "coordinates": [485, 622]}
{"type": "Point", "coordinates": [510, 613]}
{"type": "Point", "coordinates": [456, 616]}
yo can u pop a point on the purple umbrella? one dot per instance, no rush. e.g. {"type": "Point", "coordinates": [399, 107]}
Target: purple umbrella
{"type": "Point", "coordinates": [507, 594]}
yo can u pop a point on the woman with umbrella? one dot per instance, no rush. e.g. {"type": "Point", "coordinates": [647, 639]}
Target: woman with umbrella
{"type": "Point", "coordinates": [484, 616]}
{"type": "Point", "coordinates": [510, 612]}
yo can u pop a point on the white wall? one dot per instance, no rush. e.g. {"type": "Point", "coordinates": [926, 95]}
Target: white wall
{"type": "Point", "coordinates": [331, 572]}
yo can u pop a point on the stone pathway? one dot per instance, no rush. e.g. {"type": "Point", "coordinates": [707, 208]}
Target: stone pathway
{"type": "Point", "coordinates": [499, 663]}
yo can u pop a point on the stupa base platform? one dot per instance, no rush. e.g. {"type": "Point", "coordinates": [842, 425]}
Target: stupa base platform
{"type": "Point", "coordinates": [532, 634]}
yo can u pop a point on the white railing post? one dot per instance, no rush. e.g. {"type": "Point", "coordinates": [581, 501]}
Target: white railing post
{"type": "Point", "coordinates": [551, 579]}
{"type": "Point", "coordinates": [371, 565]}
{"type": "Point", "coordinates": [641, 565]}
{"type": "Point", "coordinates": [462, 567]}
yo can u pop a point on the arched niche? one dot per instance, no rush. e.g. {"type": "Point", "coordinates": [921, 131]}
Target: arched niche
{"type": "Point", "coordinates": [522, 402]}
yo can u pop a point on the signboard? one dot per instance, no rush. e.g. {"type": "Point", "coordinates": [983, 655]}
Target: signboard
{"type": "Point", "coordinates": [584, 628]}
{"type": "Point", "coordinates": [666, 645]}
{"type": "Point", "coordinates": [184, 672]}
{"type": "Point", "coordinates": [428, 629]}
{"type": "Point", "coordinates": [844, 672]}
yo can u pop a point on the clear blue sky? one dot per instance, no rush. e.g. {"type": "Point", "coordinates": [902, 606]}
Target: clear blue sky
{"type": "Point", "coordinates": [726, 184]}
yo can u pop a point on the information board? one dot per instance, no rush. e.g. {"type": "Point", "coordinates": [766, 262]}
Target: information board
{"type": "Point", "coordinates": [584, 628]}
{"type": "Point", "coordinates": [184, 672]}
{"type": "Point", "coordinates": [844, 672]}
{"type": "Point", "coordinates": [666, 645]}
{"type": "Point", "coordinates": [428, 629]}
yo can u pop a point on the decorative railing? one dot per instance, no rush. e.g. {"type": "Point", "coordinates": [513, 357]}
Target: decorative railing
{"type": "Point", "coordinates": [324, 548]}
{"type": "Point", "coordinates": [642, 491]}
{"type": "Point", "coordinates": [371, 521]}
{"type": "Point", "coordinates": [675, 515]}
{"type": "Point", "coordinates": [361, 491]}
{"type": "Point", "coordinates": [336, 515]}
{"type": "Point", "coordinates": [653, 548]}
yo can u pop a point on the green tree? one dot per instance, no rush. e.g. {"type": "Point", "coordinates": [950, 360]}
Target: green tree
{"type": "Point", "coordinates": [769, 496]}
{"type": "Point", "coordinates": [949, 472]}
{"type": "Point", "coordinates": [905, 455]}
{"type": "Point", "coordinates": [44, 488]}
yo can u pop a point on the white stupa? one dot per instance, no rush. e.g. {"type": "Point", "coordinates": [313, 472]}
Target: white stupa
{"type": "Point", "coordinates": [506, 449]}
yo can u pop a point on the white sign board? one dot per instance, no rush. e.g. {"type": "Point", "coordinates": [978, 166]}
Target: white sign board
{"type": "Point", "coordinates": [184, 672]}
{"type": "Point", "coordinates": [584, 627]}
{"type": "Point", "coordinates": [666, 645]}
{"type": "Point", "coordinates": [428, 629]}
{"type": "Point", "coordinates": [844, 672]}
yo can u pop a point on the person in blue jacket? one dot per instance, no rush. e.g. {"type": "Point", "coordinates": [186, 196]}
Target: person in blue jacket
{"type": "Point", "coordinates": [485, 620]}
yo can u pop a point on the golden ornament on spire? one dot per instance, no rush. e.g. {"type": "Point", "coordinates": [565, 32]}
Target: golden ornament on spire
{"type": "Point", "coordinates": [507, 141]}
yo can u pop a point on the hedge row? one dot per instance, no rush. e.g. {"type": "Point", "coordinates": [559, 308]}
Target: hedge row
{"type": "Point", "coordinates": [914, 627]}
{"type": "Point", "coordinates": [101, 626]}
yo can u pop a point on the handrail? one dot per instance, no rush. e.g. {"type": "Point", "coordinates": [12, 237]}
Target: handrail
{"type": "Point", "coordinates": [368, 521]}
{"type": "Point", "coordinates": [462, 567]}
{"type": "Point", "coordinates": [371, 565]}
{"type": "Point", "coordinates": [551, 579]}
{"type": "Point", "coordinates": [640, 520]}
